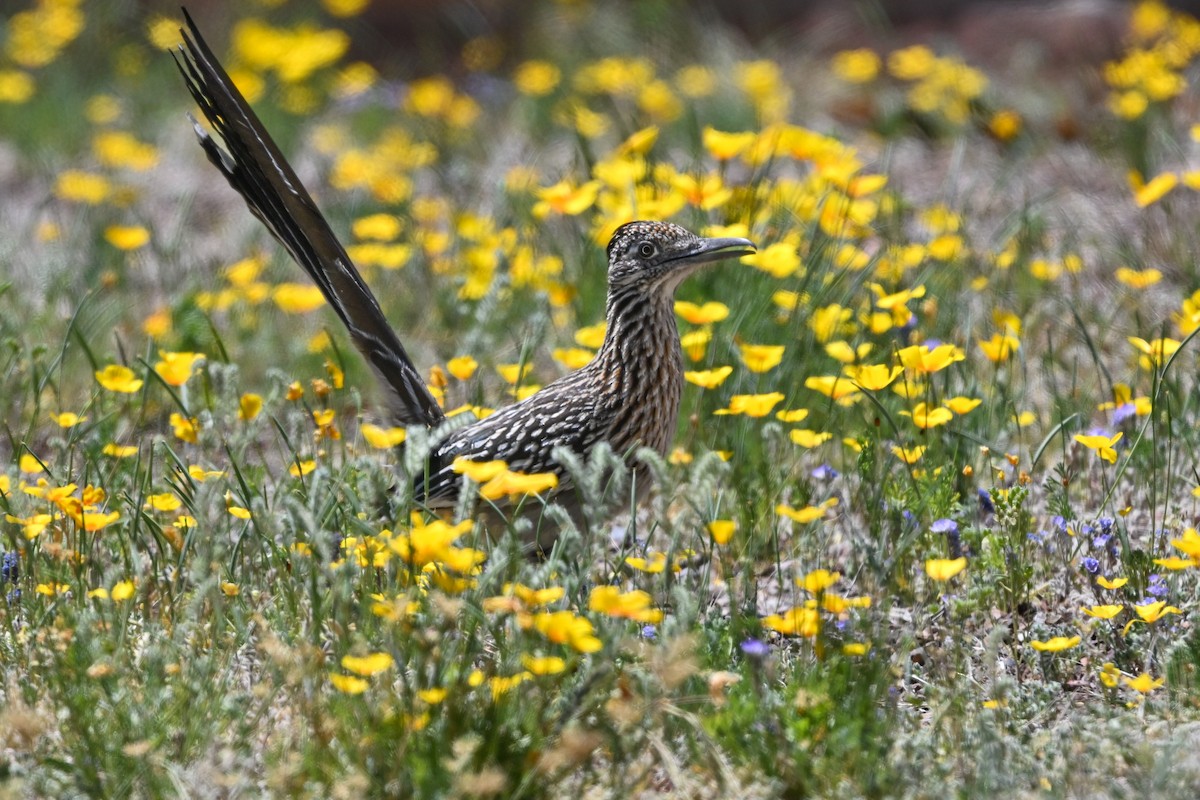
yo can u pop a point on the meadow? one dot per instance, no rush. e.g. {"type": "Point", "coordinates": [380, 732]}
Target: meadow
{"type": "Point", "coordinates": [929, 526]}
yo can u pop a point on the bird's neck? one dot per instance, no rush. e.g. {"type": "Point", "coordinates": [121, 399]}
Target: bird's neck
{"type": "Point", "coordinates": [641, 364]}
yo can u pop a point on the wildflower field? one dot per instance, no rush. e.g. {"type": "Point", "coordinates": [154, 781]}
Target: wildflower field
{"type": "Point", "coordinates": [929, 526]}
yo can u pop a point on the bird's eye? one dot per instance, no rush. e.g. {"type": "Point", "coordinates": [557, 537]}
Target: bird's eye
{"type": "Point", "coordinates": [646, 249]}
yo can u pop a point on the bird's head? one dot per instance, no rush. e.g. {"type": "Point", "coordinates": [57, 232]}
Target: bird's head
{"type": "Point", "coordinates": [654, 257]}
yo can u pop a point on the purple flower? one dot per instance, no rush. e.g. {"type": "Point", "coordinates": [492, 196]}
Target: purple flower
{"type": "Point", "coordinates": [649, 632]}
{"type": "Point", "coordinates": [1091, 565]}
{"type": "Point", "coordinates": [824, 473]}
{"type": "Point", "coordinates": [10, 568]}
{"type": "Point", "coordinates": [985, 501]}
{"type": "Point", "coordinates": [944, 525]}
{"type": "Point", "coordinates": [755, 648]}
{"type": "Point", "coordinates": [1123, 412]}
{"type": "Point", "coordinates": [1158, 587]}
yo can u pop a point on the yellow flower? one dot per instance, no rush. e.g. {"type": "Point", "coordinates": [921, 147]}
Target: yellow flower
{"type": "Point", "coordinates": [200, 474]}
{"type": "Point", "coordinates": [709, 378]}
{"type": "Point", "coordinates": [348, 684]}
{"type": "Point", "coordinates": [696, 80]}
{"type": "Point", "coordinates": [843, 352]}
{"type": "Point", "coordinates": [656, 563]}
{"type": "Point", "coordinates": [722, 530]}
{"type": "Point", "coordinates": [176, 368]}
{"type": "Point", "coordinates": [711, 311]}
{"type": "Point", "coordinates": [752, 405]}
{"type": "Point", "coordinates": [345, 8]}
{"type": "Point", "coordinates": [115, 450]}
{"type": "Point", "coordinates": [127, 237]}
{"type": "Point", "coordinates": [119, 149]}
{"type": "Point", "coordinates": [779, 259]}
{"type": "Point", "coordinates": [157, 324]}
{"type": "Point", "coordinates": [808, 438]}
{"type": "Point", "coordinates": [462, 367]}
{"type": "Point", "coordinates": [185, 429]}
{"type": "Point", "coordinates": [1153, 612]}
{"type": "Point", "coordinates": [761, 357]}
{"type": "Point", "coordinates": [1176, 563]}
{"type": "Point", "coordinates": [122, 591]}
{"type": "Point", "coordinates": [82, 187]}
{"type": "Point", "coordinates": [15, 86]}
{"type": "Point", "coordinates": [872, 377]}
{"type": "Point", "coordinates": [724, 146]}
{"type": "Point", "coordinates": [1154, 190]}
{"type": "Point", "coordinates": [383, 438]}
{"type": "Point", "coordinates": [591, 336]}
{"type": "Point", "coordinates": [1103, 611]}
{"type": "Point", "coordinates": [543, 665]}
{"type": "Point", "coordinates": [513, 373]}
{"type": "Point", "coordinates": [536, 78]}
{"type": "Point", "coordinates": [695, 343]}
{"type": "Point", "coordinates": [572, 357]}
{"type": "Point", "coordinates": [509, 484]}
{"type": "Point", "coordinates": [920, 358]}
{"type": "Point", "coordinates": [238, 512]}
{"type": "Point", "coordinates": [925, 418]}
{"type": "Point", "coordinates": [116, 378]}
{"type": "Point", "coordinates": [962, 405]}
{"type": "Point", "coordinates": [818, 580]}
{"type": "Point", "coordinates": [1109, 674]}
{"type": "Point", "coordinates": [302, 468]}
{"type": "Point", "coordinates": [67, 419]}
{"type": "Point", "coordinates": [371, 664]}
{"type": "Point", "coordinates": [565, 198]}
{"type": "Point", "coordinates": [163, 502]}
{"type": "Point", "coordinates": [834, 387]}
{"type": "Point", "coordinates": [377, 227]}
{"type": "Point", "coordinates": [1143, 683]}
{"type": "Point", "coordinates": [635, 605]}
{"type": "Point", "coordinates": [230, 589]}
{"type": "Point", "coordinates": [856, 66]}
{"type": "Point", "coordinates": [943, 569]}
{"type": "Point", "coordinates": [792, 415]}
{"type": "Point", "coordinates": [1102, 445]}
{"type": "Point", "coordinates": [1138, 279]}
{"type": "Point", "coordinates": [1005, 124]}
{"type": "Point", "coordinates": [798, 621]}
{"type": "Point", "coordinates": [297, 298]}
{"type": "Point", "coordinates": [911, 63]}
{"type": "Point", "coordinates": [1115, 583]}
{"type": "Point", "coordinates": [479, 471]}
{"type": "Point", "coordinates": [564, 627]}
{"type": "Point", "coordinates": [806, 514]}
{"type": "Point", "coordinates": [909, 455]}
{"type": "Point", "coordinates": [1055, 645]}
{"type": "Point", "coordinates": [249, 406]}
{"type": "Point", "coordinates": [1188, 543]}
{"type": "Point", "coordinates": [832, 320]}
{"type": "Point", "coordinates": [1155, 351]}
{"type": "Point", "coordinates": [1000, 347]}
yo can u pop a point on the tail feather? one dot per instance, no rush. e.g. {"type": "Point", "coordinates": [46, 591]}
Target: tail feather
{"type": "Point", "coordinates": [254, 166]}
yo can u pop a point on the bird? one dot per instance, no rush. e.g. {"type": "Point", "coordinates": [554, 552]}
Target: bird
{"type": "Point", "coordinates": [626, 397]}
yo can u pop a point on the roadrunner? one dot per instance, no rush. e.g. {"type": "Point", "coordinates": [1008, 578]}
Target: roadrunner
{"type": "Point", "coordinates": [627, 396]}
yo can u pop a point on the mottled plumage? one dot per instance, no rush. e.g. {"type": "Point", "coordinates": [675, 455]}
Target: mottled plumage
{"type": "Point", "coordinates": [627, 396]}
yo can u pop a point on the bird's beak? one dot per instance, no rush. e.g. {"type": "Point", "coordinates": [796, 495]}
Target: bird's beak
{"type": "Point", "coordinates": [716, 249]}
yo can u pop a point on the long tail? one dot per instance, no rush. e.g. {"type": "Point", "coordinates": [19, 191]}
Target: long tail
{"type": "Point", "coordinates": [256, 168]}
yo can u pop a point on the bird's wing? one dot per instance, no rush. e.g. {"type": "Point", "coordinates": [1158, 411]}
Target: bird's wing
{"type": "Point", "coordinates": [255, 167]}
{"type": "Point", "coordinates": [524, 436]}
